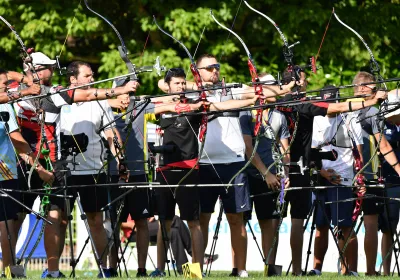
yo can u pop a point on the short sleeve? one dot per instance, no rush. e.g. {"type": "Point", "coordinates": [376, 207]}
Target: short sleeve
{"type": "Point", "coordinates": [12, 121]}
{"type": "Point", "coordinates": [284, 131]}
{"type": "Point", "coordinates": [313, 109]}
{"type": "Point", "coordinates": [245, 119]}
{"type": "Point", "coordinates": [63, 98]}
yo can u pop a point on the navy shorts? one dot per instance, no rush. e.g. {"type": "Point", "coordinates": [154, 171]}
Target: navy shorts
{"type": "Point", "coordinates": [234, 199]}
{"type": "Point", "coordinates": [339, 214]}
{"type": "Point", "coordinates": [8, 207]}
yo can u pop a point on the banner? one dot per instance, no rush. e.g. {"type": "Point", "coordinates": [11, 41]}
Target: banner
{"type": "Point", "coordinates": [26, 229]}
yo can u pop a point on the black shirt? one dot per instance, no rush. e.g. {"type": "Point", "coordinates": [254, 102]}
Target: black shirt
{"type": "Point", "coordinates": [181, 133]}
{"type": "Point", "coordinates": [301, 146]}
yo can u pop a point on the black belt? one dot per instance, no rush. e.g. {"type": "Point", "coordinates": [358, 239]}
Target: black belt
{"type": "Point", "coordinates": [223, 114]}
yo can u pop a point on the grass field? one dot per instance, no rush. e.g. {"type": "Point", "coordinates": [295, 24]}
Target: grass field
{"type": "Point", "coordinates": [223, 275]}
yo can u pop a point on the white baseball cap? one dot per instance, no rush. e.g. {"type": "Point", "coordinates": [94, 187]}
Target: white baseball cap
{"type": "Point", "coordinates": [39, 58]}
{"type": "Point", "coordinates": [268, 78]}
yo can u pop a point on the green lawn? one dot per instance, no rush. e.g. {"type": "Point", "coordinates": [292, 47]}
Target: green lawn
{"type": "Point", "coordinates": [223, 275]}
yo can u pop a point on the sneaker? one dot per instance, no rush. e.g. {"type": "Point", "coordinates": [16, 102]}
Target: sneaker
{"type": "Point", "coordinates": [314, 272]}
{"type": "Point", "coordinates": [157, 273]}
{"type": "Point", "coordinates": [60, 275]}
{"type": "Point", "coordinates": [141, 272]}
{"type": "Point", "coordinates": [44, 273]}
{"type": "Point", "coordinates": [234, 272]}
{"type": "Point", "coordinates": [352, 273]}
{"type": "Point", "coordinates": [203, 274]}
{"type": "Point", "coordinates": [106, 273]}
{"type": "Point", "coordinates": [373, 274]}
{"type": "Point", "coordinates": [243, 274]}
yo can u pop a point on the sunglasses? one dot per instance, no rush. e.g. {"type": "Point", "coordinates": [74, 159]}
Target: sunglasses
{"type": "Point", "coordinates": [49, 67]}
{"type": "Point", "coordinates": [211, 67]}
{"type": "Point", "coordinates": [374, 89]}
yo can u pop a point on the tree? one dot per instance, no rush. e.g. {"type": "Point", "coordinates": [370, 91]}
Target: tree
{"type": "Point", "coordinates": [45, 25]}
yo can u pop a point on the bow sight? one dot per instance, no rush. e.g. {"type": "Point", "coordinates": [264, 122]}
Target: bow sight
{"type": "Point", "coordinates": [157, 67]}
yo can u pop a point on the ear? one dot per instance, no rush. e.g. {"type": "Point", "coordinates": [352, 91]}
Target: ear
{"type": "Point", "coordinates": [72, 80]}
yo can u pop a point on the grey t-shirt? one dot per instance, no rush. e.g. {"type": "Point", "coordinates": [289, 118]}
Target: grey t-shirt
{"type": "Point", "coordinates": [277, 122]}
{"type": "Point", "coordinates": [135, 145]}
{"type": "Point", "coordinates": [371, 125]}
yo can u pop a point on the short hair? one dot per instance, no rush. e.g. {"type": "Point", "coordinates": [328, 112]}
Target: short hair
{"type": "Point", "coordinates": [362, 77]}
{"type": "Point", "coordinates": [203, 56]}
{"type": "Point", "coordinates": [2, 71]}
{"type": "Point", "coordinates": [174, 73]}
{"type": "Point", "coordinates": [287, 75]}
{"type": "Point", "coordinates": [73, 69]}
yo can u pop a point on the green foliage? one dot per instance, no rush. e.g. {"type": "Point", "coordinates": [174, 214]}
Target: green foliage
{"type": "Point", "coordinates": [44, 25]}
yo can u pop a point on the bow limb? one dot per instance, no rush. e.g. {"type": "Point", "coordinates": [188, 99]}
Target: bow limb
{"type": "Point", "coordinates": [40, 114]}
{"type": "Point", "coordinates": [123, 51]}
{"type": "Point", "coordinates": [258, 91]}
{"type": "Point", "coordinates": [203, 97]}
{"type": "Point", "coordinates": [375, 69]}
{"type": "Point", "coordinates": [287, 52]}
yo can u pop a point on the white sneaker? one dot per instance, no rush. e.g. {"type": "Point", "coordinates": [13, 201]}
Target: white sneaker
{"type": "Point", "coordinates": [243, 274]}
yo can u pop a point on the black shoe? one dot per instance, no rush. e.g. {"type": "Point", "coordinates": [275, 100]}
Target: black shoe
{"type": "Point", "coordinates": [373, 275]}
{"type": "Point", "coordinates": [234, 273]}
{"type": "Point", "coordinates": [141, 272]}
{"type": "Point", "coordinates": [113, 272]}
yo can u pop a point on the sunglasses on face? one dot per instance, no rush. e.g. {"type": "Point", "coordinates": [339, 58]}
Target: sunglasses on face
{"type": "Point", "coordinates": [374, 89]}
{"type": "Point", "coordinates": [45, 68]}
{"type": "Point", "coordinates": [211, 67]}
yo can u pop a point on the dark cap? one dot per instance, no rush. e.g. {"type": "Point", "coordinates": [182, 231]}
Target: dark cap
{"type": "Point", "coordinates": [329, 92]}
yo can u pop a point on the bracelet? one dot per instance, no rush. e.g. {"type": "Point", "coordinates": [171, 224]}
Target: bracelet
{"type": "Point", "coordinates": [350, 109]}
{"type": "Point", "coordinates": [22, 80]}
{"type": "Point", "coordinates": [387, 153]}
{"type": "Point", "coordinates": [107, 96]}
{"type": "Point", "coordinates": [95, 94]}
{"type": "Point", "coordinates": [362, 104]}
{"type": "Point", "coordinates": [112, 93]}
{"type": "Point", "coordinates": [394, 164]}
{"type": "Point", "coordinates": [180, 107]}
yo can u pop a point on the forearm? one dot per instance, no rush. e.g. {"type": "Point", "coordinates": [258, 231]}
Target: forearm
{"type": "Point", "coordinates": [231, 104]}
{"type": "Point", "coordinates": [273, 91]}
{"type": "Point", "coordinates": [256, 161]}
{"type": "Point", "coordinates": [390, 156]}
{"type": "Point", "coordinates": [91, 94]}
{"type": "Point", "coordinates": [360, 151]}
{"type": "Point", "coordinates": [162, 85]}
{"type": "Point", "coordinates": [335, 108]}
{"type": "Point", "coordinates": [23, 148]}
{"type": "Point", "coordinates": [109, 133]}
